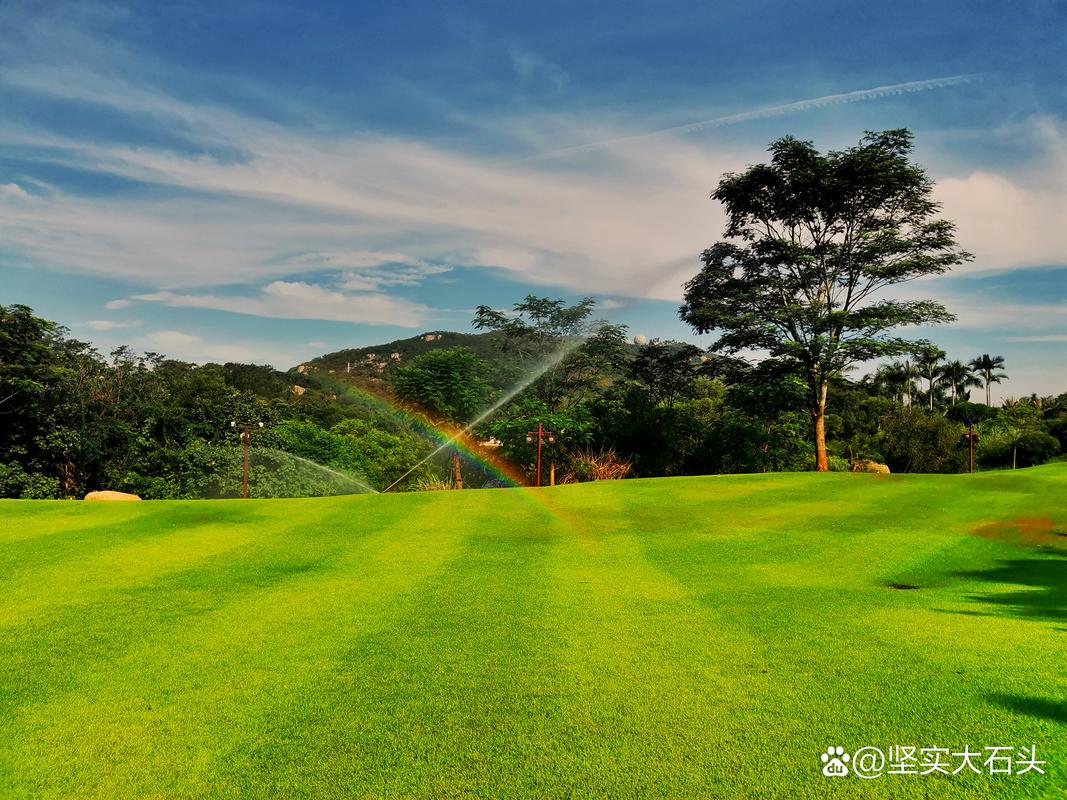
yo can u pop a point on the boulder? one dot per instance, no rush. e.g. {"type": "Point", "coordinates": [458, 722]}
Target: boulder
{"type": "Point", "coordinates": [865, 465]}
{"type": "Point", "coordinates": [109, 495]}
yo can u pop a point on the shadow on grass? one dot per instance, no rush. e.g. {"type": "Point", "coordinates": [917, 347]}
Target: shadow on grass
{"type": "Point", "coordinates": [1045, 595]}
{"type": "Point", "coordinates": [1032, 706]}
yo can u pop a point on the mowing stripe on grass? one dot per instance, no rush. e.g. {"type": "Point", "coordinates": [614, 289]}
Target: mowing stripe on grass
{"type": "Point", "coordinates": [703, 637]}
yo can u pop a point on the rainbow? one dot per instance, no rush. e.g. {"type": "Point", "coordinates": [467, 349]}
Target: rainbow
{"type": "Point", "coordinates": [469, 448]}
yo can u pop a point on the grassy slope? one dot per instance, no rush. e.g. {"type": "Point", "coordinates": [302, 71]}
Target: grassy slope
{"type": "Point", "coordinates": [685, 637]}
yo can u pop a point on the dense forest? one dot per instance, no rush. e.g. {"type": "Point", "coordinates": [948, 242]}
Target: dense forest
{"type": "Point", "coordinates": [72, 420]}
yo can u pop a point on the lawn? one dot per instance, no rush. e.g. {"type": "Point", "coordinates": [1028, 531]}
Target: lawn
{"type": "Point", "coordinates": [689, 637]}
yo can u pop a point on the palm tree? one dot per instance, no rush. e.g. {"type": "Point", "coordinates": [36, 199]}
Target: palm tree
{"type": "Point", "coordinates": [959, 378]}
{"type": "Point", "coordinates": [910, 376]}
{"type": "Point", "coordinates": [987, 366]}
{"type": "Point", "coordinates": [928, 363]}
{"type": "Point", "coordinates": [894, 380]}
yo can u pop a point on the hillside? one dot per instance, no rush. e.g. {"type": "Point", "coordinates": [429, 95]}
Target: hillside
{"type": "Point", "coordinates": [379, 361]}
{"type": "Point", "coordinates": [689, 637]}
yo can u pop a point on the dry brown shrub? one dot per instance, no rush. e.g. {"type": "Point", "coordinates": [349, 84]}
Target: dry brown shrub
{"type": "Point", "coordinates": [605, 465]}
{"type": "Point", "coordinates": [433, 485]}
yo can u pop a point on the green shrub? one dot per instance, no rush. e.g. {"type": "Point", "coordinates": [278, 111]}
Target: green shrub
{"type": "Point", "coordinates": [918, 441]}
{"type": "Point", "coordinates": [1035, 447]}
{"type": "Point", "coordinates": [1058, 428]}
{"type": "Point", "coordinates": [16, 482]}
{"type": "Point", "coordinates": [840, 464]}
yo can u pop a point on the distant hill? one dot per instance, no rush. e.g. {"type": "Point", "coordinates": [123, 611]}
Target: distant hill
{"type": "Point", "coordinates": [374, 366]}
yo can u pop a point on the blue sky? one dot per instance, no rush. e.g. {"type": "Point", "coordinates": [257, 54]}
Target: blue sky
{"type": "Point", "coordinates": [264, 182]}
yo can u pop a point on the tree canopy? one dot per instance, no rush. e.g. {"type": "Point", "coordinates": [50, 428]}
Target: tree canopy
{"type": "Point", "coordinates": [989, 368]}
{"type": "Point", "coordinates": [811, 240]}
{"type": "Point", "coordinates": [574, 349]}
{"type": "Point", "coordinates": [448, 383]}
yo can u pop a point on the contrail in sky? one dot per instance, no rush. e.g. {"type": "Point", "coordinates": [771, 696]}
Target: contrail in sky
{"type": "Point", "coordinates": [776, 111]}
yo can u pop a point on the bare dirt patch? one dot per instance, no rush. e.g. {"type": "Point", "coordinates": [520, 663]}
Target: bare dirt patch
{"type": "Point", "coordinates": [1025, 531]}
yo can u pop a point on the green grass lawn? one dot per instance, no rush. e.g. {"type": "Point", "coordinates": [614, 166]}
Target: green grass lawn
{"type": "Point", "coordinates": [690, 637]}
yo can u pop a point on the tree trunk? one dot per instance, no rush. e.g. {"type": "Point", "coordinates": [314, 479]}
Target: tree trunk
{"type": "Point", "coordinates": [457, 476]}
{"type": "Point", "coordinates": [818, 416]}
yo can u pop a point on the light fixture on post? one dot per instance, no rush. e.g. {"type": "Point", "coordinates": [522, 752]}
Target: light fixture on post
{"type": "Point", "coordinates": [542, 435]}
{"type": "Point", "coordinates": [246, 434]}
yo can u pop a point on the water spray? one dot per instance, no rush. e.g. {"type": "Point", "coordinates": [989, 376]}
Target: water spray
{"type": "Point", "coordinates": [321, 469]}
{"type": "Point", "coordinates": [507, 397]}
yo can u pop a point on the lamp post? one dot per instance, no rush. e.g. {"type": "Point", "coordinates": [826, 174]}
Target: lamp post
{"type": "Point", "coordinates": [541, 435]}
{"type": "Point", "coordinates": [246, 434]}
{"type": "Point", "coordinates": [971, 435]}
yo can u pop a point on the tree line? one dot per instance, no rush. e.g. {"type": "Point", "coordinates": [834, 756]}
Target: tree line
{"type": "Point", "coordinates": [74, 421]}
{"type": "Point", "coordinates": [796, 294]}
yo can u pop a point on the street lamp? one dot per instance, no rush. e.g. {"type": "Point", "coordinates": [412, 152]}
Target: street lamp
{"type": "Point", "coordinates": [246, 432]}
{"type": "Point", "coordinates": [541, 435]}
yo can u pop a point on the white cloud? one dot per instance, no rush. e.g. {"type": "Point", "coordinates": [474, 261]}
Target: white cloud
{"type": "Point", "coordinates": [1006, 223]}
{"type": "Point", "coordinates": [118, 303]}
{"type": "Point", "coordinates": [109, 325]}
{"type": "Point", "coordinates": [1007, 318]}
{"type": "Point", "coordinates": [1014, 220]}
{"type": "Point", "coordinates": [13, 190]}
{"type": "Point", "coordinates": [384, 212]}
{"type": "Point", "coordinates": [354, 259]}
{"type": "Point", "coordinates": [189, 347]}
{"type": "Point", "coordinates": [353, 199]}
{"type": "Point", "coordinates": [298, 300]}
{"type": "Point", "coordinates": [981, 309]}
{"type": "Point", "coordinates": [367, 280]}
{"type": "Point", "coordinates": [577, 230]}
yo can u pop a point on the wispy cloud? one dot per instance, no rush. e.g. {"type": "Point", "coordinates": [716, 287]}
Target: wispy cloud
{"type": "Point", "coordinates": [299, 300]}
{"type": "Point", "coordinates": [1014, 220]}
{"type": "Point", "coordinates": [533, 68]}
{"type": "Point", "coordinates": [186, 346]}
{"type": "Point", "coordinates": [110, 325]}
{"type": "Point", "coordinates": [338, 226]}
{"type": "Point", "coordinates": [983, 309]}
{"type": "Point", "coordinates": [13, 190]}
{"type": "Point", "coordinates": [370, 272]}
{"type": "Point", "coordinates": [810, 104]}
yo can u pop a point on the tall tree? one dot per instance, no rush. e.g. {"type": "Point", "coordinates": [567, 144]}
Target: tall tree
{"type": "Point", "coordinates": [537, 326]}
{"type": "Point", "coordinates": [666, 369]}
{"type": "Point", "coordinates": [811, 239]}
{"type": "Point", "coordinates": [959, 378]}
{"type": "Point", "coordinates": [989, 368]}
{"type": "Point", "coordinates": [929, 361]}
{"type": "Point", "coordinates": [574, 352]}
{"type": "Point", "coordinates": [895, 380]}
{"type": "Point", "coordinates": [911, 376]}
